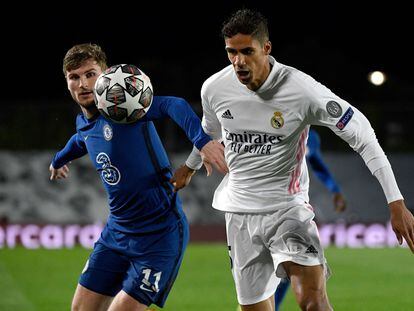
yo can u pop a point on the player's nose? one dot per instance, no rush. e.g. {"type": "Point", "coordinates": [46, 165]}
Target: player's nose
{"type": "Point", "coordinates": [239, 60]}
{"type": "Point", "coordinates": [83, 83]}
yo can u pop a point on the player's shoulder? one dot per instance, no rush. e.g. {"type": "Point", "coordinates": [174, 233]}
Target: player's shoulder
{"type": "Point", "coordinates": [295, 75]}
{"type": "Point", "coordinates": [306, 83]}
{"type": "Point", "coordinates": [218, 79]}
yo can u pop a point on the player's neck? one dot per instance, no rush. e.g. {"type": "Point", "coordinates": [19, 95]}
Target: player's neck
{"type": "Point", "coordinates": [263, 78]}
{"type": "Point", "coordinates": [89, 113]}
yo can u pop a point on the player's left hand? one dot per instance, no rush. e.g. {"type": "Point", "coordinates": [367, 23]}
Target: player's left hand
{"type": "Point", "coordinates": [212, 154]}
{"type": "Point", "coordinates": [58, 173]}
{"type": "Point", "coordinates": [182, 177]}
{"type": "Point", "coordinates": [339, 202]}
{"type": "Point", "coordinates": [402, 222]}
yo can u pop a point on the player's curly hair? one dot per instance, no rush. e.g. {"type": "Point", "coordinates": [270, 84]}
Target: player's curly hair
{"type": "Point", "coordinates": [247, 22]}
{"type": "Point", "coordinates": [82, 52]}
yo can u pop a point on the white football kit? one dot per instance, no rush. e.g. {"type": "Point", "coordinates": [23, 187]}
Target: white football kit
{"type": "Point", "coordinates": [265, 133]}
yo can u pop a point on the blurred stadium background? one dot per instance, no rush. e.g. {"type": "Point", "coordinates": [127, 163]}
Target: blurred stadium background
{"type": "Point", "coordinates": [46, 229]}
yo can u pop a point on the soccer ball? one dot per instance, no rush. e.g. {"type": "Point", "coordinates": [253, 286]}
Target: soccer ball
{"type": "Point", "coordinates": [123, 93]}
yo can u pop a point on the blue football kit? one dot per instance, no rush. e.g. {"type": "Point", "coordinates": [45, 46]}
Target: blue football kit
{"type": "Point", "coordinates": [318, 166]}
{"type": "Point", "coordinates": [142, 244]}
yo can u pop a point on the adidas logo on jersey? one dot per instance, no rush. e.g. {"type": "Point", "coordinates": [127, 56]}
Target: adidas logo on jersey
{"type": "Point", "coordinates": [311, 249]}
{"type": "Point", "coordinates": [227, 114]}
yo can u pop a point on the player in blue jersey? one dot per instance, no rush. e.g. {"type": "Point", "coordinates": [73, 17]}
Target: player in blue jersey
{"type": "Point", "coordinates": [136, 259]}
{"type": "Point", "coordinates": [320, 169]}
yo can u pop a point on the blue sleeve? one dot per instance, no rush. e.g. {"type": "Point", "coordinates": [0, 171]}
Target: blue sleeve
{"type": "Point", "coordinates": [179, 110]}
{"type": "Point", "coordinates": [75, 148]}
{"type": "Point", "coordinates": [314, 158]}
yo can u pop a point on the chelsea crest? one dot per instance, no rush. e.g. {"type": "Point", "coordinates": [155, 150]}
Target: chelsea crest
{"type": "Point", "coordinates": [107, 132]}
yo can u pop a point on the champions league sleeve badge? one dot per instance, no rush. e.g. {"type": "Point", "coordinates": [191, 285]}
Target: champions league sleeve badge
{"type": "Point", "coordinates": [333, 109]}
{"type": "Point", "coordinates": [345, 118]}
{"type": "Point", "coordinates": [277, 120]}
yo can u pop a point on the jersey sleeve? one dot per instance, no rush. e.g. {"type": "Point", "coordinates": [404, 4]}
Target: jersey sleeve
{"type": "Point", "coordinates": [346, 121]}
{"type": "Point", "coordinates": [74, 149]}
{"type": "Point", "coordinates": [210, 122]}
{"type": "Point", "coordinates": [317, 164]}
{"type": "Point", "coordinates": [211, 126]}
{"type": "Point", "coordinates": [180, 111]}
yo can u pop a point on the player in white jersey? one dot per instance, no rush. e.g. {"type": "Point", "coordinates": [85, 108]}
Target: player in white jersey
{"type": "Point", "coordinates": [262, 111]}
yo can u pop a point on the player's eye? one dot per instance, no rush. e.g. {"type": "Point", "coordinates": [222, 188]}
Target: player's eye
{"type": "Point", "coordinates": [73, 77]}
{"type": "Point", "coordinates": [90, 74]}
{"type": "Point", "coordinates": [231, 51]}
{"type": "Point", "coordinates": [247, 51]}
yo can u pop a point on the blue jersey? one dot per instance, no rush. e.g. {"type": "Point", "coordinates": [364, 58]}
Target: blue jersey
{"type": "Point", "coordinates": [314, 158]}
{"type": "Point", "coordinates": [132, 163]}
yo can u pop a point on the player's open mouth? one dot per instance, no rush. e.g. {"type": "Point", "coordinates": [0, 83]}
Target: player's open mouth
{"type": "Point", "coordinates": [243, 74]}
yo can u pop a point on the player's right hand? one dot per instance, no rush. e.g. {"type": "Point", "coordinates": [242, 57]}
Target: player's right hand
{"type": "Point", "coordinates": [402, 222]}
{"type": "Point", "coordinates": [59, 173]}
{"type": "Point", "coordinates": [212, 154]}
{"type": "Point", "coordinates": [339, 202]}
{"type": "Point", "coordinates": [182, 177]}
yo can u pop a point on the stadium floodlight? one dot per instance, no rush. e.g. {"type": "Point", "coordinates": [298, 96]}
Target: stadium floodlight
{"type": "Point", "coordinates": [377, 78]}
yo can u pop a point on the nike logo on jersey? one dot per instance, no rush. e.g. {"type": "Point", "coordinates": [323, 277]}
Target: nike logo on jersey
{"type": "Point", "coordinates": [227, 114]}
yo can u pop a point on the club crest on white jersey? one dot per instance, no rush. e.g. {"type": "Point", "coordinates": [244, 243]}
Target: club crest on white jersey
{"type": "Point", "coordinates": [277, 120]}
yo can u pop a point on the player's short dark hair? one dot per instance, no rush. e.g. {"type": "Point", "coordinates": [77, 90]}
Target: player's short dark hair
{"type": "Point", "coordinates": [247, 22]}
{"type": "Point", "coordinates": [82, 52]}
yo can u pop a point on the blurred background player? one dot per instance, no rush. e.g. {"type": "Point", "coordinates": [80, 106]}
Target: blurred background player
{"type": "Point", "coordinates": [139, 252]}
{"type": "Point", "coordinates": [320, 169]}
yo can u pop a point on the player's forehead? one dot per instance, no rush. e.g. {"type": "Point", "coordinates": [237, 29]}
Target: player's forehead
{"type": "Point", "coordinates": [241, 41]}
{"type": "Point", "coordinates": [86, 66]}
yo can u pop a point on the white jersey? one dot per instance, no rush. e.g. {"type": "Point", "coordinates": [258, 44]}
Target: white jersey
{"type": "Point", "coordinates": [265, 133]}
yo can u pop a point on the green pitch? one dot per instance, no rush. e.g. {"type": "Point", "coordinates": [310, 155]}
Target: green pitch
{"type": "Point", "coordinates": [363, 279]}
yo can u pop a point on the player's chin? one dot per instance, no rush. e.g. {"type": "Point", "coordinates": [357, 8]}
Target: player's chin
{"type": "Point", "coordinates": [244, 79]}
{"type": "Point", "coordinates": [86, 103]}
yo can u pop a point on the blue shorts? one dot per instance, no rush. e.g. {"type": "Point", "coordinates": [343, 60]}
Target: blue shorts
{"type": "Point", "coordinates": [143, 265]}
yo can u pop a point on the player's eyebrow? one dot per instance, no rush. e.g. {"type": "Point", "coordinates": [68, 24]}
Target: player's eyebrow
{"type": "Point", "coordinates": [89, 70]}
{"type": "Point", "coordinates": [243, 51]}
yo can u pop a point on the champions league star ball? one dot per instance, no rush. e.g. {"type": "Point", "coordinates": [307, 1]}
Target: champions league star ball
{"type": "Point", "coordinates": [123, 93]}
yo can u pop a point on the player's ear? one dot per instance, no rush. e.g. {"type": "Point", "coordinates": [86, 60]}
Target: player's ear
{"type": "Point", "coordinates": [267, 48]}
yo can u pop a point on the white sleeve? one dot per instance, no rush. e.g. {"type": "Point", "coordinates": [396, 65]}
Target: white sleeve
{"type": "Point", "coordinates": [327, 109]}
{"type": "Point", "coordinates": [211, 126]}
{"type": "Point", "coordinates": [388, 183]}
{"type": "Point", "coordinates": [194, 159]}
{"type": "Point", "coordinates": [210, 122]}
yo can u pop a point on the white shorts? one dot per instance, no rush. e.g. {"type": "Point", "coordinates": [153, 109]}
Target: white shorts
{"type": "Point", "coordinates": [259, 243]}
